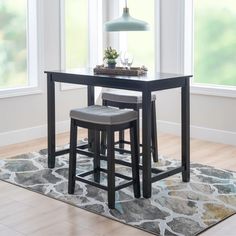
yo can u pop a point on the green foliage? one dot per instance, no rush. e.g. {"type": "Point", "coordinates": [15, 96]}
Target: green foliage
{"type": "Point", "coordinates": [215, 45]}
{"type": "Point", "coordinates": [110, 54]}
{"type": "Point", "coordinates": [13, 54]}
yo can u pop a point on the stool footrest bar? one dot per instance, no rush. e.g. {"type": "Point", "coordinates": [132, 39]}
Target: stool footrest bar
{"type": "Point", "coordinates": [122, 141]}
{"type": "Point", "coordinates": [83, 146]}
{"type": "Point", "coordinates": [91, 183]}
{"type": "Point", "coordinates": [123, 185]}
{"type": "Point", "coordinates": [80, 178]}
{"type": "Point", "coordinates": [117, 174]}
{"type": "Point", "coordinates": [85, 153]}
{"type": "Point", "coordinates": [62, 152]}
{"type": "Point", "coordinates": [122, 150]}
{"type": "Point", "coordinates": [67, 150]}
{"type": "Point", "coordinates": [105, 171]}
{"type": "Point", "coordinates": [167, 173]}
{"type": "Point", "coordinates": [86, 173]}
{"type": "Point", "coordinates": [128, 164]}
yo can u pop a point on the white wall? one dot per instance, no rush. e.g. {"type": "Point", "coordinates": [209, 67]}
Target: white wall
{"type": "Point", "coordinates": [24, 118]}
{"type": "Point", "coordinates": [212, 117]}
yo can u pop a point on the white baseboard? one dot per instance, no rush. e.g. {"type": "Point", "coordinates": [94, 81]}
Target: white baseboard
{"type": "Point", "coordinates": [213, 135]}
{"type": "Point", "coordinates": [23, 135]}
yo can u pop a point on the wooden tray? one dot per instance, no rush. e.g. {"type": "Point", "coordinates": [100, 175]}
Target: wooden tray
{"type": "Point", "coordinates": [133, 71]}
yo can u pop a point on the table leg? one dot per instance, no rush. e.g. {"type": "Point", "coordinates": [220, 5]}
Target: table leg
{"type": "Point", "coordinates": [185, 135]}
{"type": "Point", "coordinates": [90, 99]}
{"type": "Point", "coordinates": [146, 139]}
{"type": "Point", "coordinates": [51, 121]}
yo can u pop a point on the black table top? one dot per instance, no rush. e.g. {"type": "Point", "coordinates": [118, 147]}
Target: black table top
{"type": "Point", "coordinates": [149, 82]}
{"type": "Point", "coordinates": [150, 76]}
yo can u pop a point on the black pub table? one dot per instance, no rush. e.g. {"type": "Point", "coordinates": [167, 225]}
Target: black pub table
{"type": "Point", "coordinates": [145, 84]}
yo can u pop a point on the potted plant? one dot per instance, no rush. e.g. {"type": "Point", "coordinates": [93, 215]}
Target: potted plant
{"type": "Point", "coordinates": [110, 55]}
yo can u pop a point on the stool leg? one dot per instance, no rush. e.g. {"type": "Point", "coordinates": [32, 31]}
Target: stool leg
{"type": "Point", "coordinates": [72, 158]}
{"type": "Point", "coordinates": [111, 168]}
{"type": "Point", "coordinates": [96, 159]}
{"type": "Point", "coordinates": [103, 142]}
{"type": "Point", "coordinates": [135, 158]}
{"type": "Point", "coordinates": [154, 133]}
{"type": "Point", "coordinates": [103, 135]}
{"type": "Point", "coordinates": [138, 132]}
{"type": "Point", "coordinates": [121, 141]}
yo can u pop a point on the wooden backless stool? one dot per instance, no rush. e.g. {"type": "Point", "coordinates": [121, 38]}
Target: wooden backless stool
{"type": "Point", "coordinates": [130, 100]}
{"type": "Point", "coordinates": [108, 120]}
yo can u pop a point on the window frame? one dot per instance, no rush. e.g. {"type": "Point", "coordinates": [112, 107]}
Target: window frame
{"type": "Point", "coordinates": [95, 37]}
{"type": "Point", "coordinates": [34, 56]}
{"type": "Point", "coordinates": [186, 31]}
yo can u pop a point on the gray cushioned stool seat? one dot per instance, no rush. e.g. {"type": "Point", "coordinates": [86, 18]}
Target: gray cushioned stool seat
{"type": "Point", "coordinates": [124, 96]}
{"type": "Point", "coordinates": [103, 115]}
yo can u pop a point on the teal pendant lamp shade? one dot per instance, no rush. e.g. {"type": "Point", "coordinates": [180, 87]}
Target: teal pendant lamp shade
{"type": "Point", "coordinates": [126, 23]}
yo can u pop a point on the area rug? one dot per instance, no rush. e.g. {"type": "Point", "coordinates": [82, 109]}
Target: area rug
{"type": "Point", "coordinates": [176, 208]}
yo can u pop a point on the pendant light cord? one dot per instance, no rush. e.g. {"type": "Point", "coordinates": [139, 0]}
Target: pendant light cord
{"type": "Point", "coordinates": [126, 9]}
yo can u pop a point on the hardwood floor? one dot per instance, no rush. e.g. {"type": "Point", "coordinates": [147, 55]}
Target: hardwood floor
{"type": "Point", "coordinates": [23, 212]}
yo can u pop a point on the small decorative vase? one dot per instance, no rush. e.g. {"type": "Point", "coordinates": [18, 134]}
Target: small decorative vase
{"type": "Point", "coordinates": [111, 65]}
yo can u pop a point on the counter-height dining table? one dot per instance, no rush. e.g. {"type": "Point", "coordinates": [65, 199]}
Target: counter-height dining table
{"type": "Point", "coordinates": [146, 84]}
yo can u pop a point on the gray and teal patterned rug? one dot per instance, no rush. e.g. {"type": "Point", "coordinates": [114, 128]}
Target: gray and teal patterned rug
{"type": "Point", "coordinates": [176, 208]}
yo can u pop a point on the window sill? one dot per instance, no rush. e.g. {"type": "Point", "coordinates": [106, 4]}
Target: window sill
{"type": "Point", "coordinates": [17, 92]}
{"type": "Point", "coordinates": [218, 91]}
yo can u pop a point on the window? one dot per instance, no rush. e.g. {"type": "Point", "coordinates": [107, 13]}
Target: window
{"type": "Point", "coordinates": [76, 33]}
{"type": "Point", "coordinates": [141, 44]}
{"type": "Point", "coordinates": [18, 44]}
{"type": "Point", "coordinates": [215, 42]}
{"type": "Point", "coordinates": [81, 35]}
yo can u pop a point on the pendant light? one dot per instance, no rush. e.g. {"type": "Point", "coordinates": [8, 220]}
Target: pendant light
{"type": "Point", "coordinates": [126, 23]}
